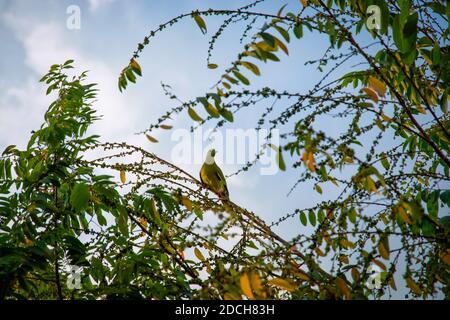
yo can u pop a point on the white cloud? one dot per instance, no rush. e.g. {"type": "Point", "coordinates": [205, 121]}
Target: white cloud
{"type": "Point", "coordinates": [94, 5]}
{"type": "Point", "coordinates": [46, 43]}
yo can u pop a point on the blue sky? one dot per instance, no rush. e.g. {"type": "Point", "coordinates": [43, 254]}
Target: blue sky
{"type": "Point", "coordinates": [34, 36]}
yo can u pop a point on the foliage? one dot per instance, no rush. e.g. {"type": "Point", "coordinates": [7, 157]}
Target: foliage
{"type": "Point", "coordinates": [57, 208]}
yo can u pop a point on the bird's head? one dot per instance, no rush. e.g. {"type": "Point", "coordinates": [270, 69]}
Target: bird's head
{"type": "Point", "coordinates": [210, 156]}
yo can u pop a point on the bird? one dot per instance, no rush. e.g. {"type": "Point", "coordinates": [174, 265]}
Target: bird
{"type": "Point", "coordinates": [212, 176]}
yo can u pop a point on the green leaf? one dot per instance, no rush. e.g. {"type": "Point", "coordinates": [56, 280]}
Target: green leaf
{"type": "Point", "coordinates": [312, 217]}
{"type": "Point", "coordinates": [428, 229]}
{"type": "Point", "coordinates": [283, 33]}
{"type": "Point", "coordinates": [198, 212]}
{"type": "Point", "coordinates": [352, 215]}
{"type": "Point", "coordinates": [303, 219]}
{"type": "Point", "coordinates": [397, 30]}
{"type": "Point", "coordinates": [243, 79]}
{"type": "Point", "coordinates": [445, 197]}
{"type": "Point", "coordinates": [318, 188]}
{"type": "Point", "coordinates": [298, 30]}
{"type": "Point", "coordinates": [11, 149]}
{"type": "Point", "coordinates": [280, 160]}
{"type": "Point", "coordinates": [212, 66]}
{"type": "Point", "coordinates": [227, 114]}
{"type": "Point", "coordinates": [433, 204]}
{"type": "Point", "coordinates": [122, 221]}
{"type": "Point", "coordinates": [130, 75]}
{"type": "Point", "coordinates": [79, 199]}
{"type": "Point", "coordinates": [200, 22]}
{"type": "Point", "coordinates": [321, 216]}
{"type": "Point", "coordinates": [101, 219]}
{"type": "Point", "coordinates": [268, 38]}
{"type": "Point", "coordinates": [271, 56]}
{"type": "Point", "coordinates": [384, 161]}
{"type": "Point", "coordinates": [231, 79]}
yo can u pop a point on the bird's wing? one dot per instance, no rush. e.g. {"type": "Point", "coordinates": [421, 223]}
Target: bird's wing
{"type": "Point", "coordinates": [221, 177]}
{"type": "Point", "coordinates": [201, 178]}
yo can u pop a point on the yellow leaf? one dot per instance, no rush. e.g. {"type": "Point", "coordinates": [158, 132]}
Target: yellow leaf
{"type": "Point", "coordinates": [326, 237]}
{"type": "Point", "coordinates": [413, 286]}
{"type": "Point", "coordinates": [343, 258]}
{"type": "Point", "coordinates": [187, 203]}
{"type": "Point", "coordinates": [194, 115]}
{"type": "Point", "coordinates": [232, 296]}
{"type": "Point", "coordinates": [333, 181]}
{"type": "Point", "coordinates": [220, 92]}
{"type": "Point", "coordinates": [311, 162]}
{"type": "Point", "coordinates": [392, 283]}
{"type": "Point", "coordinates": [213, 112]}
{"type": "Point", "coordinates": [155, 211]}
{"type": "Point", "coordinates": [144, 223]}
{"type": "Point", "coordinates": [320, 252]}
{"type": "Point", "coordinates": [250, 66]}
{"type": "Point", "coordinates": [302, 275]}
{"type": "Point", "coordinates": [446, 258]}
{"type": "Point", "coordinates": [135, 66]}
{"type": "Point", "coordinates": [165, 126]}
{"type": "Point", "coordinates": [355, 274]}
{"type": "Point", "coordinates": [378, 86]}
{"type": "Point", "coordinates": [200, 22]}
{"type": "Point", "coordinates": [245, 286]}
{"type": "Point", "coordinates": [385, 117]}
{"type": "Point", "coordinates": [305, 157]}
{"type": "Point", "coordinates": [212, 66]}
{"type": "Point", "coordinates": [318, 188]}
{"type": "Point", "coordinates": [281, 45]}
{"type": "Point", "coordinates": [379, 263]}
{"type": "Point", "coordinates": [421, 109]}
{"type": "Point", "coordinates": [383, 252]}
{"type": "Point", "coordinates": [404, 215]}
{"type": "Point", "coordinates": [330, 215]}
{"type": "Point", "coordinates": [264, 46]}
{"type": "Point", "coordinates": [123, 178]}
{"type": "Point", "coordinates": [151, 139]}
{"type": "Point", "coordinates": [372, 94]}
{"type": "Point", "coordinates": [256, 282]}
{"type": "Point", "coordinates": [305, 3]}
{"type": "Point", "coordinates": [426, 57]}
{"type": "Point", "coordinates": [28, 242]}
{"type": "Point", "coordinates": [348, 159]}
{"type": "Point", "coordinates": [199, 254]}
{"type": "Point", "coordinates": [371, 184]}
{"type": "Point", "coordinates": [283, 284]}
{"type": "Point", "coordinates": [347, 244]}
{"type": "Point", "coordinates": [342, 285]}
{"type": "Point", "coordinates": [208, 267]}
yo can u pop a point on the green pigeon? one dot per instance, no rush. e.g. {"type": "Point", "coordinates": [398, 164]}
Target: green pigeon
{"type": "Point", "coordinates": [212, 177]}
